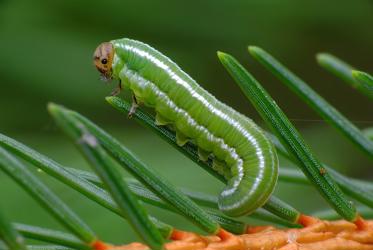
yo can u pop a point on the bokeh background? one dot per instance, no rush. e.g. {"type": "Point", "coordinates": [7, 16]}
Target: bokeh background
{"type": "Point", "coordinates": [46, 56]}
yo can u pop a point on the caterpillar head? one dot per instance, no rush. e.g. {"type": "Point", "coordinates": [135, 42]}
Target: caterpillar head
{"type": "Point", "coordinates": [103, 59]}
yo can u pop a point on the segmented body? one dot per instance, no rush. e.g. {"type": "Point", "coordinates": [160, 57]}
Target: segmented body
{"type": "Point", "coordinates": [241, 151]}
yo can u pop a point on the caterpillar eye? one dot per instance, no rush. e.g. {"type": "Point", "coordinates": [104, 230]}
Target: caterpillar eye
{"type": "Point", "coordinates": [104, 61]}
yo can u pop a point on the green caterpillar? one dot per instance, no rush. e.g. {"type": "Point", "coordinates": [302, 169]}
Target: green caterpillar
{"type": "Point", "coordinates": [240, 150]}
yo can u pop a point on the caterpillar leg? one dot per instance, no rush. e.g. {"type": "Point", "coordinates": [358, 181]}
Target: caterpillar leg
{"type": "Point", "coordinates": [221, 168]}
{"type": "Point", "coordinates": [203, 155]}
{"type": "Point", "coordinates": [134, 106]}
{"type": "Point", "coordinates": [117, 90]}
{"type": "Point", "coordinates": [181, 138]}
{"type": "Point", "coordinates": [161, 120]}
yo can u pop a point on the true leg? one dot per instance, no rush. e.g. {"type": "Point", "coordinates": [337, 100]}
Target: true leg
{"type": "Point", "coordinates": [117, 90]}
{"type": "Point", "coordinates": [133, 106]}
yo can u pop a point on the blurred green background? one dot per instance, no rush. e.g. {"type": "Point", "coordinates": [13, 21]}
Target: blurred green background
{"type": "Point", "coordinates": [46, 55]}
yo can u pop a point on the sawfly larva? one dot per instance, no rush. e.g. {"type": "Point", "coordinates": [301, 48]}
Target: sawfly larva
{"type": "Point", "coordinates": [240, 150]}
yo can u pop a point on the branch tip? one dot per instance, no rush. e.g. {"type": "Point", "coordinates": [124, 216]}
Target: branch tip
{"type": "Point", "coordinates": [100, 245]}
{"type": "Point", "coordinates": [306, 220]}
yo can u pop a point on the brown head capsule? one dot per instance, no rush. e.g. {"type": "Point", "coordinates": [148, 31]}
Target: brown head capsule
{"type": "Point", "coordinates": [103, 59]}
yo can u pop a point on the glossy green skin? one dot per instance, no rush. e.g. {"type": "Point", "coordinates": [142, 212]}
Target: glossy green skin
{"type": "Point", "coordinates": [242, 153]}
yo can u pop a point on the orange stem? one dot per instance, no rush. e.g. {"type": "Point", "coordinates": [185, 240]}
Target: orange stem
{"type": "Point", "coordinates": [100, 245]}
{"type": "Point", "coordinates": [360, 223]}
{"type": "Point", "coordinates": [306, 220]}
